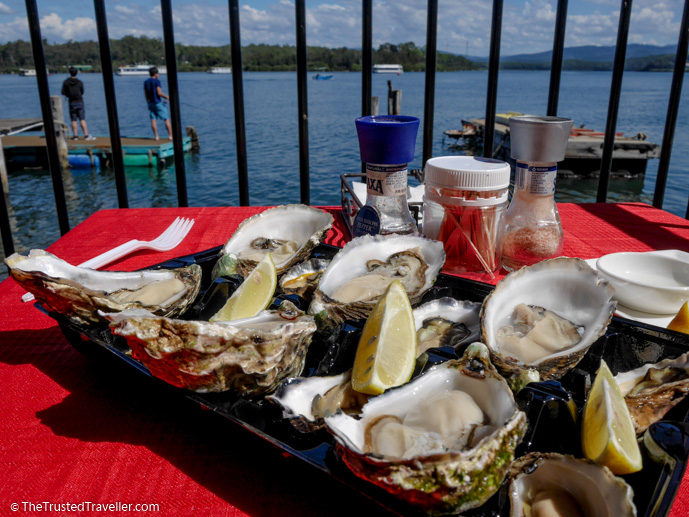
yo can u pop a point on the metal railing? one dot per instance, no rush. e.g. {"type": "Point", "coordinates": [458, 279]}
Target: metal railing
{"type": "Point", "coordinates": [366, 86]}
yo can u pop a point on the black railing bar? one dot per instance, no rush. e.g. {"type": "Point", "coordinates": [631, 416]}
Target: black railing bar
{"type": "Point", "coordinates": [47, 111]}
{"type": "Point", "coordinates": [238, 98]}
{"type": "Point", "coordinates": [366, 56]}
{"type": "Point", "coordinates": [111, 103]}
{"type": "Point", "coordinates": [431, 66]}
{"type": "Point", "coordinates": [672, 109]}
{"type": "Point", "coordinates": [303, 107]}
{"type": "Point", "coordinates": [493, 67]}
{"type": "Point", "coordinates": [558, 52]}
{"type": "Point", "coordinates": [614, 103]}
{"type": "Point", "coordinates": [173, 92]}
{"type": "Point", "coordinates": [5, 226]}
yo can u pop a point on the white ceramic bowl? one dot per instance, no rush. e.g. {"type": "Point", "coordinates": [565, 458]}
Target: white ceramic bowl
{"type": "Point", "coordinates": [655, 282]}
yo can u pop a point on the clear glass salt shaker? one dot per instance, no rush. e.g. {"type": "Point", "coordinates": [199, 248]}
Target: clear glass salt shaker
{"type": "Point", "coordinates": [533, 231]}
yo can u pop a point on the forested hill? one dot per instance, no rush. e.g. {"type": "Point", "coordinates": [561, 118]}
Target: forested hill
{"type": "Point", "coordinates": [131, 50]}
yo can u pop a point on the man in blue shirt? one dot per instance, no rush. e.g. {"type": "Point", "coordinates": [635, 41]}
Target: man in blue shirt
{"type": "Point", "coordinates": [156, 107]}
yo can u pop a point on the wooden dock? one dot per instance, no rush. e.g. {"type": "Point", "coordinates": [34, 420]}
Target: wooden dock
{"type": "Point", "coordinates": [22, 151]}
{"type": "Point", "coordinates": [584, 149]}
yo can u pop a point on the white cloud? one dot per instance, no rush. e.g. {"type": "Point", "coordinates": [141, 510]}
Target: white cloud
{"type": "Point", "coordinates": [528, 25]}
{"type": "Point", "coordinates": [5, 9]}
{"type": "Point", "coordinates": [53, 28]}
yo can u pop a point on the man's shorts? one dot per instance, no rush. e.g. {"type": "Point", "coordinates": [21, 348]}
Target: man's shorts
{"type": "Point", "coordinates": [158, 111]}
{"type": "Point", "coordinates": [76, 111]}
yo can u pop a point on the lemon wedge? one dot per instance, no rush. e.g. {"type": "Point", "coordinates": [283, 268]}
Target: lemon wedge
{"type": "Point", "coordinates": [680, 322]}
{"type": "Point", "coordinates": [386, 354]}
{"type": "Point", "coordinates": [608, 436]}
{"type": "Point", "coordinates": [253, 296]}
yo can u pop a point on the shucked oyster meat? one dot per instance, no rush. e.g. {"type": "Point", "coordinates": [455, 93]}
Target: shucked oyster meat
{"type": "Point", "coordinates": [79, 293]}
{"type": "Point", "coordinates": [543, 318]}
{"type": "Point", "coordinates": [651, 390]}
{"type": "Point", "coordinates": [248, 356]}
{"type": "Point", "coordinates": [537, 333]}
{"type": "Point", "coordinates": [288, 232]}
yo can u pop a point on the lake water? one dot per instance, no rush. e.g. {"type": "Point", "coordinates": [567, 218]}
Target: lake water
{"type": "Point", "coordinates": [272, 137]}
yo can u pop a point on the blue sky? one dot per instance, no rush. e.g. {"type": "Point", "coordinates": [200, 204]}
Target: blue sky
{"type": "Point", "coordinates": [464, 25]}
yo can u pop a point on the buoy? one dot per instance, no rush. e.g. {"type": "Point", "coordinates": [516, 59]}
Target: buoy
{"type": "Point", "coordinates": [83, 161]}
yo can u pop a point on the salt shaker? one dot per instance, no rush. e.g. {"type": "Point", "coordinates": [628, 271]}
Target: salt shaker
{"type": "Point", "coordinates": [386, 145]}
{"type": "Point", "coordinates": [533, 231]}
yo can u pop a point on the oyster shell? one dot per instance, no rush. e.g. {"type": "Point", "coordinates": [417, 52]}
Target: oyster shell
{"type": "Point", "coordinates": [79, 293]}
{"type": "Point", "coordinates": [305, 401]}
{"type": "Point", "coordinates": [434, 476]}
{"type": "Point", "coordinates": [303, 278]}
{"type": "Point", "coordinates": [249, 356]}
{"type": "Point", "coordinates": [568, 288]}
{"type": "Point", "coordinates": [652, 390]}
{"type": "Point", "coordinates": [573, 486]}
{"type": "Point", "coordinates": [446, 322]}
{"type": "Point", "coordinates": [288, 232]}
{"type": "Point", "coordinates": [359, 273]}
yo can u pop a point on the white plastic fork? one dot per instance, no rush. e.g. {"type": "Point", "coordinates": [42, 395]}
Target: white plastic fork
{"type": "Point", "coordinates": [169, 239]}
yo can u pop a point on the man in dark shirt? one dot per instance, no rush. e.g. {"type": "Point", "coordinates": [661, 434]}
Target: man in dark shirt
{"type": "Point", "coordinates": [73, 89]}
{"type": "Point", "coordinates": [156, 108]}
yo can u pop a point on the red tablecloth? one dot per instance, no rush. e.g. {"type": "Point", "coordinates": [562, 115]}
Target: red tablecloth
{"type": "Point", "coordinates": [74, 430]}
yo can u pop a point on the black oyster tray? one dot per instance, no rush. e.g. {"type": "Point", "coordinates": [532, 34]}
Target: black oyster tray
{"type": "Point", "coordinates": [553, 408]}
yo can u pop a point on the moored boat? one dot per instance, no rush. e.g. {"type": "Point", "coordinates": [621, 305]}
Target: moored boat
{"type": "Point", "coordinates": [584, 148]}
{"type": "Point", "coordinates": [140, 69]}
{"type": "Point", "coordinates": [388, 69]}
{"type": "Point", "coordinates": [220, 70]}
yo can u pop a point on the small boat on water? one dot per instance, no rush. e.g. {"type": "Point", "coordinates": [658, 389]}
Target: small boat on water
{"type": "Point", "coordinates": [30, 72]}
{"type": "Point", "coordinates": [319, 77]}
{"type": "Point", "coordinates": [584, 148]}
{"type": "Point", "coordinates": [140, 69]}
{"type": "Point", "coordinates": [220, 70]}
{"type": "Point", "coordinates": [388, 69]}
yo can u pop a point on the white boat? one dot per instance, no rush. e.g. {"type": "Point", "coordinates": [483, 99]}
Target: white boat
{"type": "Point", "coordinates": [388, 69]}
{"type": "Point", "coordinates": [220, 70]}
{"type": "Point", "coordinates": [141, 69]}
{"type": "Point", "coordinates": [30, 72]}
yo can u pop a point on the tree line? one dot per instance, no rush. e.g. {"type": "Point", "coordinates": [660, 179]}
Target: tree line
{"type": "Point", "coordinates": [131, 50]}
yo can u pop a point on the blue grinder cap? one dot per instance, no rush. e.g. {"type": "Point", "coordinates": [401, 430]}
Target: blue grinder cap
{"type": "Point", "coordinates": [387, 139]}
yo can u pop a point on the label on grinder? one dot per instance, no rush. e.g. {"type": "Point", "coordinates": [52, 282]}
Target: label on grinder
{"type": "Point", "coordinates": [539, 181]}
{"type": "Point", "coordinates": [384, 180]}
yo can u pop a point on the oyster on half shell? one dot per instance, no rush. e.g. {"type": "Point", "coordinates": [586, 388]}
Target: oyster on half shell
{"type": "Point", "coordinates": [545, 317]}
{"type": "Point", "coordinates": [556, 484]}
{"type": "Point", "coordinates": [360, 272]}
{"type": "Point", "coordinates": [79, 293]}
{"type": "Point", "coordinates": [288, 232]}
{"type": "Point", "coordinates": [436, 456]}
{"type": "Point", "coordinates": [652, 390]}
{"type": "Point", "coordinates": [249, 356]}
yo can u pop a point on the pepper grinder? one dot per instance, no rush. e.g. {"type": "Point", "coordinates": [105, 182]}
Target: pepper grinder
{"type": "Point", "coordinates": [533, 231]}
{"type": "Point", "coordinates": [386, 145]}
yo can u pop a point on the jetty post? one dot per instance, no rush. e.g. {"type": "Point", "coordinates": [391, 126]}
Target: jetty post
{"type": "Point", "coordinates": [60, 130]}
{"type": "Point", "coordinates": [394, 100]}
{"type": "Point", "coordinates": [3, 171]}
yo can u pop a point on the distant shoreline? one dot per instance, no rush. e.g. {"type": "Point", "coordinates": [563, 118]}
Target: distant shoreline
{"type": "Point", "coordinates": [131, 50]}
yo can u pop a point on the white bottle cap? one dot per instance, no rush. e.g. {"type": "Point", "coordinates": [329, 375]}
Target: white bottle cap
{"type": "Point", "coordinates": [467, 172]}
